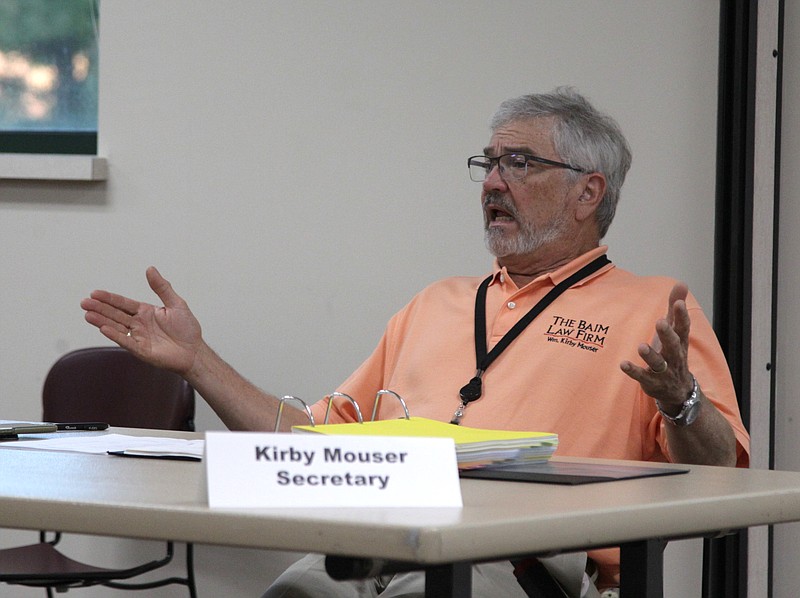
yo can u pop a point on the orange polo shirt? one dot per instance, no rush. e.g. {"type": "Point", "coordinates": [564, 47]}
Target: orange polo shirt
{"type": "Point", "coordinates": [560, 375]}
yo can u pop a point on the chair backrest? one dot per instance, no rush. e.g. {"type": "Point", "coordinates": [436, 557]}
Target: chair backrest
{"type": "Point", "coordinates": [109, 384]}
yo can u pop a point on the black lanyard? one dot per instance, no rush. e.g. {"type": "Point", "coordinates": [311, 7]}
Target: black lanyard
{"type": "Point", "coordinates": [473, 389]}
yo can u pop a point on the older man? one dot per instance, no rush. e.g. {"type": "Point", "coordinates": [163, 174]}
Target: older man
{"type": "Point", "coordinates": [544, 342]}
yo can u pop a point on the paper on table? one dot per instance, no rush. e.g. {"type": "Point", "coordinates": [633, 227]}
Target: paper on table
{"type": "Point", "coordinates": [151, 446]}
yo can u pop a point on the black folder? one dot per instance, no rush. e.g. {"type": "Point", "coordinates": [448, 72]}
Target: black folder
{"type": "Point", "coordinates": [568, 473]}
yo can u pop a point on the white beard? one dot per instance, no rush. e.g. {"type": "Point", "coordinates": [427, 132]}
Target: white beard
{"type": "Point", "coordinates": [528, 239]}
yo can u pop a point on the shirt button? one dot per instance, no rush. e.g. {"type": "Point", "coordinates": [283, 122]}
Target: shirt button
{"type": "Point", "coordinates": [511, 305]}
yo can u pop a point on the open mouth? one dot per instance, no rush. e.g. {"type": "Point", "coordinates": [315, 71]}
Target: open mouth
{"type": "Point", "coordinates": [498, 210]}
{"type": "Point", "coordinates": [498, 213]}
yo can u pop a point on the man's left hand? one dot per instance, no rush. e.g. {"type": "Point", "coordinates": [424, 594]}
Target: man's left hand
{"type": "Point", "coordinates": [666, 376]}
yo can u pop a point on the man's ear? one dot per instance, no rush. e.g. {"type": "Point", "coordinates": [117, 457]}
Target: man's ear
{"type": "Point", "coordinates": [594, 189]}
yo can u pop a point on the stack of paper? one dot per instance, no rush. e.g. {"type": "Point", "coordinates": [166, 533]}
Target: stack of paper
{"type": "Point", "coordinates": [474, 447]}
{"type": "Point", "coordinates": [119, 444]}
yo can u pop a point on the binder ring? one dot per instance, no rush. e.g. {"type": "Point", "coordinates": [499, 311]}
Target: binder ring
{"type": "Point", "coordinates": [394, 394]}
{"type": "Point", "coordinates": [332, 396]}
{"type": "Point", "coordinates": [286, 398]}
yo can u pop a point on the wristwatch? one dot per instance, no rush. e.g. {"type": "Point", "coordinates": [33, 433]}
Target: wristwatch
{"type": "Point", "coordinates": [689, 410]}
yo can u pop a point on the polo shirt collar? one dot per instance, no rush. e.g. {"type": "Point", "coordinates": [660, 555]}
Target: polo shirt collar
{"type": "Point", "coordinates": [556, 276]}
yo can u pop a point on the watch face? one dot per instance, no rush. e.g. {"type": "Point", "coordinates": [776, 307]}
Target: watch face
{"type": "Point", "coordinates": [691, 413]}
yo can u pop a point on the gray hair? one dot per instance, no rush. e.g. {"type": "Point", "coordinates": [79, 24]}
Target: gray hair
{"type": "Point", "coordinates": [582, 135]}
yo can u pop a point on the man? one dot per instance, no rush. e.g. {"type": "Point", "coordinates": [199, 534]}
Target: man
{"type": "Point", "coordinates": [551, 177]}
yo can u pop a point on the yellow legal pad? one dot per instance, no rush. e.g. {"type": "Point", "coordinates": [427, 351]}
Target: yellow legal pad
{"type": "Point", "coordinates": [475, 447]}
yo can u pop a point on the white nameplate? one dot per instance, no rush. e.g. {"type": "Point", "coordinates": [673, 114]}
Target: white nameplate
{"type": "Point", "coordinates": [255, 469]}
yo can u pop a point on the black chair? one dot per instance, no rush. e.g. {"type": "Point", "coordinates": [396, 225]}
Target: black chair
{"type": "Point", "coordinates": [105, 384]}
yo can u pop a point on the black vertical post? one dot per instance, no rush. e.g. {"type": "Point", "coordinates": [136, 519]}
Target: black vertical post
{"type": "Point", "coordinates": [448, 581]}
{"type": "Point", "coordinates": [642, 569]}
{"type": "Point", "coordinates": [725, 559]}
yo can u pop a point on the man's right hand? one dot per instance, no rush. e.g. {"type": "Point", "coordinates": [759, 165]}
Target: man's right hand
{"type": "Point", "coordinates": [168, 337]}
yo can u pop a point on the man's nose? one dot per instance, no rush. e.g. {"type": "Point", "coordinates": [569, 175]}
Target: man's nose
{"type": "Point", "coordinates": [494, 180]}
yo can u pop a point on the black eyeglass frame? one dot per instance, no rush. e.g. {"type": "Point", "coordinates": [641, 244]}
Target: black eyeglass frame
{"type": "Point", "coordinates": [528, 158]}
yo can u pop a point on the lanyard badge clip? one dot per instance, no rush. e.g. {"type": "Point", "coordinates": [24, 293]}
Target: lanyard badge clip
{"type": "Point", "coordinates": [471, 391]}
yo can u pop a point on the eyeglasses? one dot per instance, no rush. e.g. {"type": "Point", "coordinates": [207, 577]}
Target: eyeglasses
{"type": "Point", "coordinates": [512, 166]}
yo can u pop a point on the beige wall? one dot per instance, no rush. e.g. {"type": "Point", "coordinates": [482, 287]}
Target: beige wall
{"type": "Point", "coordinates": [298, 171]}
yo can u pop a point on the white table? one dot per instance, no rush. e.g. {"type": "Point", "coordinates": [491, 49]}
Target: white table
{"type": "Point", "coordinates": [166, 500]}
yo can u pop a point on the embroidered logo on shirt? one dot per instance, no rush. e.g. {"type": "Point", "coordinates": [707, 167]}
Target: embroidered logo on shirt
{"type": "Point", "coordinates": [582, 334]}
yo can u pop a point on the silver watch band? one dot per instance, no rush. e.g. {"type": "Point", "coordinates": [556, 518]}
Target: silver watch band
{"type": "Point", "coordinates": [689, 409]}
